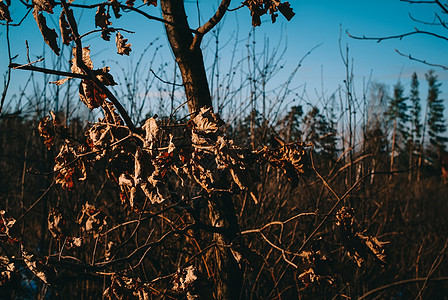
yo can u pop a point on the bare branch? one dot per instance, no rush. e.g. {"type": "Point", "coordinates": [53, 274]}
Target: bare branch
{"type": "Point", "coordinates": [92, 76]}
{"type": "Point", "coordinates": [422, 60]}
{"type": "Point", "coordinates": [443, 7]}
{"type": "Point", "coordinates": [164, 81]}
{"type": "Point", "coordinates": [125, 7]}
{"type": "Point", "coordinates": [210, 23]}
{"type": "Point", "coordinates": [8, 75]}
{"type": "Point", "coordinates": [399, 36]}
{"type": "Point", "coordinates": [47, 71]}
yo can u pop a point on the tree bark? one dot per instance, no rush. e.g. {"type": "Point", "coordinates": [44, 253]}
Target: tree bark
{"type": "Point", "coordinates": [222, 214]}
{"type": "Point", "coordinates": [188, 58]}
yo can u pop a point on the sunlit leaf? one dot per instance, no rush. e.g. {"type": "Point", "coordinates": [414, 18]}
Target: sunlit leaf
{"type": "Point", "coordinates": [90, 94]}
{"type": "Point", "coordinates": [122, 47]}
{"type": "Point", "coordinates": [44, 5]}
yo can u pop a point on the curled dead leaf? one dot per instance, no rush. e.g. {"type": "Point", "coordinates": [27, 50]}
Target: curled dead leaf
{"type": "Point", "coordinates": [6, 227]}
{"type": "Point", "coordinates": [102, 20]}
{"type": "Point", "coordinates": [66, 32]}
{"type": "Point", "coordinates": [50, 35]}
{"type": "Point", "coordinates": [357, 245]}
{"type": "Point", "coordinates": [43, 271]}
{"type": "Point", "coordinates": [116, 8]}
{"type": "Point", "coordinates": [4, 12]}
{"type": "Point", "coordinates": [85, 58]}
{"type": "Point", "coordinates": [90, 94]}
{"type": "Point", "coordinates": [259, 8]}
{"type": "Point", "coordinates": [130, 3]}
{"type": "Point", "coordinates": [122, 47]}
{"type": "Point", "coordinates": [150, 2]}
{"type": "Point", "coordinates": [69, 167]}
{"type": "Point", "coordinates": [91, 219]}
{"type": "Point", "coordinates": [44, 5]}
{"type": "Point", "coordinates": [56, 224]}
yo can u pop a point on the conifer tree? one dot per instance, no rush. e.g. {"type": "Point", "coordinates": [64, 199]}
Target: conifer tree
{"type": "Point", "coordinates": [436, 121]}
{"type": "Point", "coordinates": [398, 114]}
{"type": "Point", "coordinates": [416, 108]}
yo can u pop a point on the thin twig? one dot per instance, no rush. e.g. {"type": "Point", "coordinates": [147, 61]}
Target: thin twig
{"type": "Point", "coordinates": [422, 60]}
{"type": "Point", "coordinates": [398, 36]}
{"type": "Point", "coordinates": [434, 266]}
{"type": "Point", "coordinates": [34, 204]}
{"type": "Point", "coordinates": [164, 81]}
{"type": "Point", "coordinates": [80, 62]}
{"type": "Point", "coordinates": [220, 12]}
{"type": "Point", "coordinates": [398, 283]}
{"type": "Point", "coordinates": [8, 76]}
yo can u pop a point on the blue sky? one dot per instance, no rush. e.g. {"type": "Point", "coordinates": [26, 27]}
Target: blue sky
{"type": "Point", "coordinates": [321, 23]}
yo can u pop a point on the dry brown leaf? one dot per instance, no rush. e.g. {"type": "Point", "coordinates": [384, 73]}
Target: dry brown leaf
{"type": "Point", "coordinates": [150, 2]}
{"type": "Point", "coordinates": [290, 158]}
{"type": "Point", "coordinates": [92, 220]}
{"type": "Point", "coordinates": [102, 20]}
{"type": "Point", "coordinates": [6, 227]}
{"type": "Point", "coordinates": [61, 81]}
{"type": "Point", "coordinates": [46, 130]}
{"type": "Point", "coordinates": [286, 10]}
{"type": "Point", "coordinates": [56, 224]}
{"type": "Point", "coordinates": [259, 8]}
{"type": "Point", "coordinates": [105, 77]}
{"type": "Point", "coordinates": [102, 17]}
{"type": "Point", "coordinates": [69, 167]}
{"type": "Point", "coordinates": [50, 35]}
{"type": "Point", "coordinates": [66, 32]}
{"type": "Point", "coordinates": [110, 114]}
{"type": "Point", "coordinates": [4, 12]}
{"type": "Point", "coordinates": [357, 245]}
{"type": "Point", "coordinates": [44, 272]}
{"type": "Point", "coordinates": [90, 95]}
{"type": "Point", "coordinates": [44, 5]}
{"type": "Point", "coordinates": [152, 132]}
{"type": "Point", "coordinates": [123, 287]}
{"type": "Point", "coordinates": [85, 58]}
{"type": "Point", "coordinates": [130, 3]}
{"type": "Point", "coordinates": [116, 8]}
{"type": "Point", "coordinates": [122, 47]}
{"type": "Point", "coordinates": [206, 121]}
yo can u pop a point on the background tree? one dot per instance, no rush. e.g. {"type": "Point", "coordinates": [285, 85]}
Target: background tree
{"type": "Point", "coordinates": [436, 118]}
{"type": "Point", "coordinates": [397, 115]}
{"type": "Point", "coordinates": [415, 112]}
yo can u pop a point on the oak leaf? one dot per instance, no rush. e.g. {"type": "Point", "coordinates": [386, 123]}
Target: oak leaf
{"type": "Point", "coordinates": [122, 47]}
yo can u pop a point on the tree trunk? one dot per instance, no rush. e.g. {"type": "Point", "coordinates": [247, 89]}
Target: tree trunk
{"type": "Point", "coordinates": [222, 211]}
{"type": "Point", "coordinates": [189, 59]}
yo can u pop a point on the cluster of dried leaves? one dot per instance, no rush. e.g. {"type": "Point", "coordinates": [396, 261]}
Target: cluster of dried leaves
{"type": "Point", "coordinates": [358, 246]}
{"type": "Point", "coordinates": [259, 8]}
